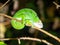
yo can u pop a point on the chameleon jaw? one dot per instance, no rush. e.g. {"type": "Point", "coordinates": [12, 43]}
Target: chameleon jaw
{"type": "Point", "coordinates": [38, 24]}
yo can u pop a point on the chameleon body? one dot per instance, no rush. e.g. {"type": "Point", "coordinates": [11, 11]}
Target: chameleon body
{"type": "Point", "coordinates": [29, 18]}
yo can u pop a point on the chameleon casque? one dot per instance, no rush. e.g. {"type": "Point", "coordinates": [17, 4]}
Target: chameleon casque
{"type": "Point", "coordinates": [29, 18]}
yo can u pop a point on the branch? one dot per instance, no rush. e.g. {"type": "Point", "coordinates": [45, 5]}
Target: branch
{"type": "Point", "coordinates": [57, 6]}
{"type": "Point", "coordinates": [28, 38]}
{"type": "Point", "coordinates": [41, 30]}
{"type": "Point", "coordinates": [4, 4]}
{"type": "Point", "coordinates": [9, 17]}
{"type": "Point", "coordinates": [49, 34]}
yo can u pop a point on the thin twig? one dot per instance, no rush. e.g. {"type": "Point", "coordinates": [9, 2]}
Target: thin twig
{"type": "Point", "coordinates": [28, 38]}
{"type": "Point", "coordinates": [19, 41]}
{"type": "Point", "coordinates": [49, 34]}
{"type": "Point", "coordinates": [41, 30]}
{"type": "Point", "coordinates": [57, 5]}
{"type": "Point", "coordinates": [10, 17]}
{"type": "Point", "coordinates": [4, 4]}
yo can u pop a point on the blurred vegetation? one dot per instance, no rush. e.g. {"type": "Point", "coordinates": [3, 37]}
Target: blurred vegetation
{"type": "Point", "coordinates": [48, 19]}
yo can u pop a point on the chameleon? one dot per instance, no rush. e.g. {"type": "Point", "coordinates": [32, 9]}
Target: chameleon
{"type": "Point", "coordinates": [29, 18]}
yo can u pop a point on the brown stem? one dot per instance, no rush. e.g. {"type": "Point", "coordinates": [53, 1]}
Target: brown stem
{"type": "Point", "coordinates": [10, 17]}
{"type": "Point", "coordinates": [4, 4]}
{"type": "Point", "coordinates": [28, 38]}
{"type": "Point", "coordinates": [49, 34]}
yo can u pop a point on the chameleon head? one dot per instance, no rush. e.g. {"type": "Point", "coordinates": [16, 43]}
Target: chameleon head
{"type": "Point", "coordinates": [38, 24]}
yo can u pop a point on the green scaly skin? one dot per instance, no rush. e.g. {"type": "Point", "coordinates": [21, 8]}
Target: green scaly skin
{"type": "Point", "coordinates": [29, 18]}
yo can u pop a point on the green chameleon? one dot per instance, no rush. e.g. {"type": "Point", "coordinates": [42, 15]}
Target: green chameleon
{"type": "Point", "coordinates": [29, 18]}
